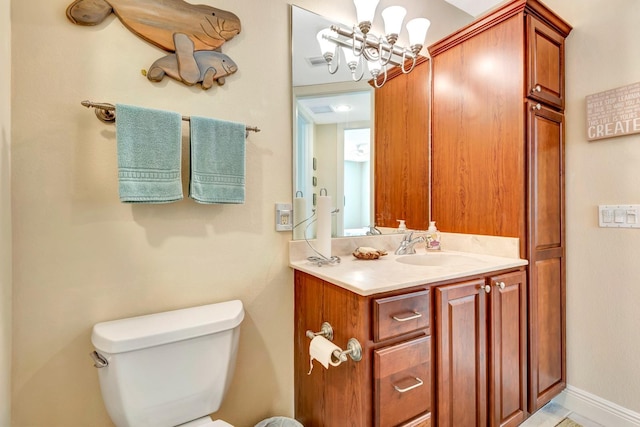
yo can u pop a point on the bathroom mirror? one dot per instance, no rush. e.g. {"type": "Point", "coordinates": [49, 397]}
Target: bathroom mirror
{"type": "Point", "coordinates": [314, 169]}
{"type": "Point", "coordinates": [333, 134]}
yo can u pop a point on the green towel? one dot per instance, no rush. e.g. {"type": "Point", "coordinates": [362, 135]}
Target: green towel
{"type": "Point", "coordinates": [217, 161]}
{"type": "Point", "coordinates": [149, 151]}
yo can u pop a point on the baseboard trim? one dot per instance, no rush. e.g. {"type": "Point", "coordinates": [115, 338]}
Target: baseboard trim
{"type": "Point", "coordinates": [596, 408]}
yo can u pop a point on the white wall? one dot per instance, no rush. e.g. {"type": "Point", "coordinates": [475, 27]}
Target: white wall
{"type": "Point", "coordinates": [5, 212]}
{"type": "Point", "coordinates": [603, 287]}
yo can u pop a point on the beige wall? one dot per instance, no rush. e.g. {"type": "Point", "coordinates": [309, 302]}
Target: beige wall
{"type": "Point", "coordinates": [5, 213]}
{"type": "Point", "coordinates": [81, 257]}
{"type": "Point", "coordinates": [603, 288]}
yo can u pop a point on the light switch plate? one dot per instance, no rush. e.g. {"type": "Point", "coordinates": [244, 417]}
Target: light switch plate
{"type": "Point", "coordinates": [619, 216]}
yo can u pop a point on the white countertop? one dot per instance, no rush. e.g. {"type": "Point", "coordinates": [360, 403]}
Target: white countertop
{"type": "Point", "coordinates": [368, 277]}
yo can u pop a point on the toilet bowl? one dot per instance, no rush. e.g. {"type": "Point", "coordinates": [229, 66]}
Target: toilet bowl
{"type": "Point", "coordinates": [168, 369]}
{"type": "Point", "coordinates": [206, 422]}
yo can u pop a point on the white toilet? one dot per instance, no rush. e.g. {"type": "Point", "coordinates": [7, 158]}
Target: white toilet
{"type": "Point", "coordinates": [168, 369]}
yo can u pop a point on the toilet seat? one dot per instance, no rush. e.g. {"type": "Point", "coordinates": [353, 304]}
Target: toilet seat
{"type": "Point", "coordinates": [206, 422]}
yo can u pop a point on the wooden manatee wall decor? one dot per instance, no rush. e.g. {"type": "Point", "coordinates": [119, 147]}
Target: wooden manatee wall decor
{"type": "Point", "coordinates": [194, 33]}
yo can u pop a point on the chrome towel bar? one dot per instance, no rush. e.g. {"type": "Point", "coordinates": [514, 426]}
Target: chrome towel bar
{"type": "Point", "coordinates": [107, 113]}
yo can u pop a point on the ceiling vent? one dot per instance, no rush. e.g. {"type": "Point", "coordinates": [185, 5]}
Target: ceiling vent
{"type": "Point", "coordinates": [321, 109]}
{"type": "Point", "coordinates": [316, 61]}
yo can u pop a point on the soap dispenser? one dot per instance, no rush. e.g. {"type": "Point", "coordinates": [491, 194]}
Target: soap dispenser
{"type": "Point", "coordinates": [402, 227]}
{"type": "Point", "coordinates": [433, 237]}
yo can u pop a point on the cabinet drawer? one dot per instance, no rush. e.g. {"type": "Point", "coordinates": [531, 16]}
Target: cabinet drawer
{"type": "Point", "coordinates": [400, 314]}
{"type": "Point", "coordinates": [402, 375]}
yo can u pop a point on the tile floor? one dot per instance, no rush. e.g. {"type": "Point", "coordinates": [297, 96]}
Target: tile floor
{"type": "Point", "coordinates": [552, 413]}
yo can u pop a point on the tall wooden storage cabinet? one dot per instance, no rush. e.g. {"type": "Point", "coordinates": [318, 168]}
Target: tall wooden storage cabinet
{"type": "Point", "coordinates": [498, 159]}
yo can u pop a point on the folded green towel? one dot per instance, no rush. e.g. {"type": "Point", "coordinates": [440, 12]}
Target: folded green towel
{"type": "Point", "coordinates": [217, 161]}
{"type": "Point", "coordinates": [149, 150]}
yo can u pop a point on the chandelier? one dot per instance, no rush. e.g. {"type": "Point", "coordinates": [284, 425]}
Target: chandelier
{"type": "Point", "coordinates": [378, 51]}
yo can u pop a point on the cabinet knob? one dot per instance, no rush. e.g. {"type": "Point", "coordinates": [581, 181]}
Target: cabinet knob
{"type": "Point", "coordinates": [486, 288]}
{"type": "Point", "coordinates": [536, 107]}
{"type": "Point", "coordinates": [536, 89]}
{"type": "Point", "coordinates": [418, 383]}
{"type": "Point", "coordinates": [501, 285]}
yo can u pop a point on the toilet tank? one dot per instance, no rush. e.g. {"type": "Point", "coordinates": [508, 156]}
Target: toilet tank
{"type": "Point", "coordinates": [168, 368]}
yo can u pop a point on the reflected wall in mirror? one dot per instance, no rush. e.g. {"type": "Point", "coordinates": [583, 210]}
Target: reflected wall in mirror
{"type": "Point", "coordinates": [333, 135]}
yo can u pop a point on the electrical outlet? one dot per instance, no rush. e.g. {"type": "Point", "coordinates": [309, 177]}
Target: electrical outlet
{"type": "Point", "coordinates": [284, 217]}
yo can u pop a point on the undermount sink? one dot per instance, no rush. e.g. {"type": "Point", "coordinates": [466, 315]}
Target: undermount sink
{"type": "Point", "coordinates": [439, 259]}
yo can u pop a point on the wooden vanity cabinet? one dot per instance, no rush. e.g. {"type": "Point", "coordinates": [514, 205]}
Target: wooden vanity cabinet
{"type": "Point", "coordinates": [480, 339]}
{"type": "Point", "coordinates": [468, 354]}
{"type": "Point", "coordinates": [391, 385]}
{"type": "Point", "coordinates": [498, 158]}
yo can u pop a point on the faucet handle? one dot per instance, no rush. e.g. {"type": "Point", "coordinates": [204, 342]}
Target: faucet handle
{"type": "Point", "coordinates": [408, 236]}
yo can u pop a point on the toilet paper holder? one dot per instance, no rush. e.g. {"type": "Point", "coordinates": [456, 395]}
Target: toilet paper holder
{"type": "Point", "coordinates": [354, 349]}
{"type": "Point", "coordinates": [325, 330]}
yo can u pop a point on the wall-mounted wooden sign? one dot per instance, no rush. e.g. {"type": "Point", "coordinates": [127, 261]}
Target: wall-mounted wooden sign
{"type": "Point", "coordinates": [193, 33]}
{"type": "Point", "coordinates": [615, 112]}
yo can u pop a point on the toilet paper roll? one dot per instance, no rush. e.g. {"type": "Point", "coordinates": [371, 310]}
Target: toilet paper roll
{"type": "Point", "coordinates": [299, 215]}
{"type": "Point", "coordinates": [321, 349]}
{"type": "Point", "coordinates": [323, 238]}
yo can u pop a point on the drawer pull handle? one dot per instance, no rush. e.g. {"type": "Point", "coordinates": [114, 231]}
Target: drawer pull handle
{"type": "Point", "coordinates": [415, 315]}
{"type": "Point", "coordinates": [411, 387]}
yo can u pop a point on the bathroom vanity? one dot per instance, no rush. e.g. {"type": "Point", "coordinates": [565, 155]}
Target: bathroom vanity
{"type": "Point", "coordinates": [443, 339]}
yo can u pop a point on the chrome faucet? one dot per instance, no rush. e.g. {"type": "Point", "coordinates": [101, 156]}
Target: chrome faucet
{"type": "Point", "coordinates": [407, 245]}
{"type": "Point", "coordinates": [373, 231]}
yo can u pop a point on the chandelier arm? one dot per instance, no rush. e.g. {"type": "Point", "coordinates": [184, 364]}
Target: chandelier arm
{"type": "Point", "coordinates": [336, 57]}
{"type": "Point", "coordinates": [353, 71]}
{"type": "Point", "coordinates": [370, 49]}
{"type": "Point", "coordinates": [356, 51]}
{"type": "Point", "coordinates": [384, 80]}
{"type": "Point", "coordinates": [381, 49]}
{"type": "Point", "coordinates": [404, 59]}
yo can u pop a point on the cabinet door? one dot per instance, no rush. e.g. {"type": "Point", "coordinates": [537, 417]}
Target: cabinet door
{"type": "Point", "coordinates": [478, 158]}
{"type": "Point", "coordinates": [546, 253]}
{"type": "Point", "coordinates": [508, 343]}
{"type": "Point", "coordinates": [401, 165]}
{"type": "Point", "coordinates": [546, 63]}
{"type": "Point", "coordinates": [461, 354]}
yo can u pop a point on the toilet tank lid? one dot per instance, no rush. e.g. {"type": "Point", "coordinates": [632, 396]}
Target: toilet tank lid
{"type": "Point", "coordinates": [119, 336]}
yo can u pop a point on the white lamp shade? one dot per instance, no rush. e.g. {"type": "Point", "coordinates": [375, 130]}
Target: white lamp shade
{"type": "Point", "coordinates": [393, 17]}
{"type": "Point", "coordinates": [365, 9]}
{"type": "Point", "coordinates": [374, 67]}
{"type": "Point", "coordinates": [417, 29]}
{"type": "Point", "coordinates": [326, 46]}
{"type": "Point", "coordinates": [349, 56]}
